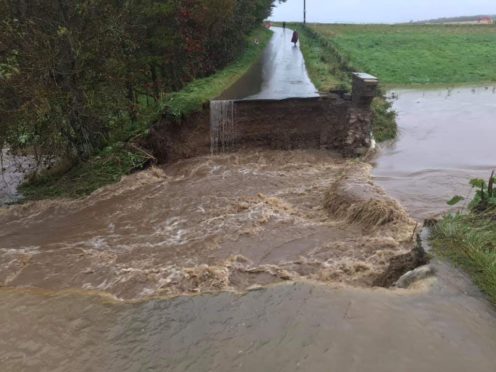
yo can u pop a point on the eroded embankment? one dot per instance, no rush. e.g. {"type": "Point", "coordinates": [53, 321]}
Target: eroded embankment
{"type": "Point", "coordinates": [227, 222]}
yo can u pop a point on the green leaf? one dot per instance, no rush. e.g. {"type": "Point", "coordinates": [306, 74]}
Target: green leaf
{"type": "Point", "coordinates": [455, 200]}
{"type": "Point", "coordinates": [477, 182]}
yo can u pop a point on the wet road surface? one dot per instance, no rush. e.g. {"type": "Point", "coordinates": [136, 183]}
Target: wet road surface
{"type": "Point", "coordinates": [284, 71]}
{"type": "Point", "coordinates": [281, 73]}
{"type": "Point", "coordinates": [289, 327]}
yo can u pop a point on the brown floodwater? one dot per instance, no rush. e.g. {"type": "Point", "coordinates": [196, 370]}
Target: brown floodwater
{"type": "Point", "coordinates": [447, 137]}
{"type": "Point", "coordinates": [288, 282]}
{"type": "Point", "coordinates": [205, 224]}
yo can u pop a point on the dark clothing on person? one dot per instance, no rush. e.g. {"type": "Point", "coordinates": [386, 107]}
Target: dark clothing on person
{"type": "Point", "coordinates": [295, 37]}
{"type": "Point", "coordinates": [284, 25]}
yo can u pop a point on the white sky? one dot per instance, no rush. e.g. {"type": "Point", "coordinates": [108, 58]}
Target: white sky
{"type": "Point", "coordinates": [380, 11]}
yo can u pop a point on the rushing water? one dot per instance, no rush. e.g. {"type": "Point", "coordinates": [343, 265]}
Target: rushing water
{"type": "Point", "coordinates": [229, 221]}
{"type": "Point", "coordinates": [225, 222]}
{"type": "Point", "coordinates": [446, 138]}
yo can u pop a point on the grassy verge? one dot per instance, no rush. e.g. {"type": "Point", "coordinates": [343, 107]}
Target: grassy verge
{"type": "Point", "coordinates": [418, 54]}
{"type": "Point", "coordinates": [470, 242]}
{"type": "Point", "coordinates": [122, 157]}
{"type": "Point", "coordinates": [330, 69]}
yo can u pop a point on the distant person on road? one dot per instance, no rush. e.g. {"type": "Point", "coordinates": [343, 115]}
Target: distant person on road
{"type": "Point", "coordinates": [284, 25]}
{"type": "Point", "coordinates": [295, 38]}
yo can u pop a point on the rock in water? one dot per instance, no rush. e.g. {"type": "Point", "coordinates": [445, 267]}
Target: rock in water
{"type": "Point", "coordinates": [414, 276]}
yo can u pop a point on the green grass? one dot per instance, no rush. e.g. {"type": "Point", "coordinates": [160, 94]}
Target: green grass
{"type": "Point", "coordinates": [82, 179]}
{"type": "Point", "coordinates": [384, 123]}
{"type": "Point", "coordinates": [330, 69]}
{"type": "Point", "coordinates": [470, 242]}
{"type": "Point", "coordinates": [326, 68]}
{"type": "Point", "coordinates": [122, 157]}
{"type": "Point", "coordinates": [417, 54]}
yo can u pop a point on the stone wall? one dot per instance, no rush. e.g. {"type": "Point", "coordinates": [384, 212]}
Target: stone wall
{"type": "Point", "coordinates": [334, 121]}
{"type": "Point", "coordinates": [326, 122]}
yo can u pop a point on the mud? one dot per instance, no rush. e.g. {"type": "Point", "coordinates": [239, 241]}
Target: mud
{"type": "Point", "coordinates": [227, 222]}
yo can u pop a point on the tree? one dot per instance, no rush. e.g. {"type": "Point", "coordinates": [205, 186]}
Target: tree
{"type": "Point", "coordinates": [71, 71]}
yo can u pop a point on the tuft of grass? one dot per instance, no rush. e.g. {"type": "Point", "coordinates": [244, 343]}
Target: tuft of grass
{"type": "Point", "coordinates": [384, 120]}
{"type": "Point", "coordinates": [470, 242]}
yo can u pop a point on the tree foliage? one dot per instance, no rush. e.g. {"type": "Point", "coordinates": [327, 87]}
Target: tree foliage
{"type": "Point", "coordinates": [72, 71]}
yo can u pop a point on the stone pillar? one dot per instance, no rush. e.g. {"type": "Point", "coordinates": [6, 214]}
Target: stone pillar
{"type": "Point", "coordinates": [359, 121]}
{"type": "Point", "coordinates": [365, 88]}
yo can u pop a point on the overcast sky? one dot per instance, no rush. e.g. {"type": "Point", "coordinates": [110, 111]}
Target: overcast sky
{"type": "Point", "coordinates": [380, 11]}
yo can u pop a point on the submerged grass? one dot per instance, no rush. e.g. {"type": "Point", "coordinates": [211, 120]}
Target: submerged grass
{"type": "Point", "coordinates": [470, 242]}
{"type": "Point", "coordinates": [330, 69]}
{"type": "Point", "coordinates": [83, 178]}
{"type": "Point", "coordinates": [122, 157]}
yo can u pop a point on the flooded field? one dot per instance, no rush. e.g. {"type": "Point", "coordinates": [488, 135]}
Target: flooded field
{"type": "Point", "coordinates": [446, 138]}
{"type": "Point", "coordinates": [281, 239]}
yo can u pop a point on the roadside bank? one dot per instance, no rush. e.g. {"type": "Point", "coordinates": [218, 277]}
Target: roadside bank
{"type": "Point", "coordinates": [330, 70]}
{"type": "Point", "coordinates": [127, 153]}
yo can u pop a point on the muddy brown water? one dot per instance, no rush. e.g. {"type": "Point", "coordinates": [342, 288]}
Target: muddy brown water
{"type": "Point", "coordinates": [211, 223]}
{"type": "Point", "coordinates": [447, 137]}
{"type": "Point", "coordinates": [225, 223]}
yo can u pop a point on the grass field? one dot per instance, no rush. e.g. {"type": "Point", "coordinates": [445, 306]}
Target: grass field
{"type": "Point", "coordinates": [417, 54]}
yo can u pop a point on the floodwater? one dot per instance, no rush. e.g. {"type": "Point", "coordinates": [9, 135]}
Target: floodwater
{"type": "Point", "coordinates": [447, 137]}
{"type": "Point", "coordinates": [288, 327]}
{"type": "Point", "coordinates": [256, 219]}
{"type": "Point", "coordinates": [207, 224]}
{"type": "Point", "coordinates": [280, 283]}
{"type": "Point", "coordinates": [280, 74]}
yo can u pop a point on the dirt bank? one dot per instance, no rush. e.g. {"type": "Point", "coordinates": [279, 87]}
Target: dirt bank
{"type": "Point", "coordinates": [227, 222]}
